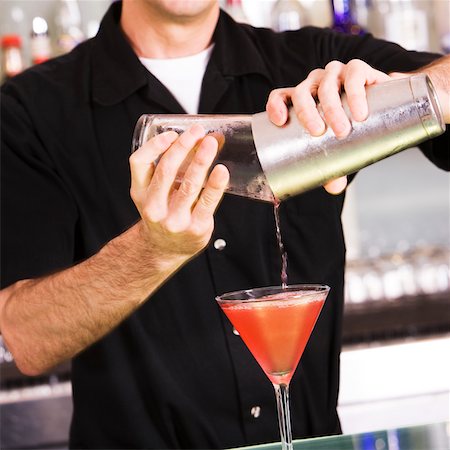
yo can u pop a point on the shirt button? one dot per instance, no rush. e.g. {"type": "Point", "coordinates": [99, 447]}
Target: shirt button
{"type": "Point", "coordinates": [236, 332]}
{"type": "Point", "coordinates": [220, 244]}
{"type": "Point", "coordinates": [255, 411]}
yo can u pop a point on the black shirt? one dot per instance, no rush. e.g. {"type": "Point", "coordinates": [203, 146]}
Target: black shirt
{"type": "Point", "coordinates": [174, 374]}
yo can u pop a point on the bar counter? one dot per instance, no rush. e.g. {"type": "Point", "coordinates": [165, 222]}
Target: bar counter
{"type": "Point", "coordinates": [424, 437]}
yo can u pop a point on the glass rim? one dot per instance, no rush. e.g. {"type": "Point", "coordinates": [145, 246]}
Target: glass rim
{"type": "Point", "coordinates": [268, 290]}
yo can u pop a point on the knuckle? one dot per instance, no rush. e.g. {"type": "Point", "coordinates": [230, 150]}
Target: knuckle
{"type": "Point", "coordinates": [199, 230]}
{"type": "Point", "coordinates": [175, 225]}
{"type": "Point", "coordinates": [189, 187]}
{"type": "Point", "coordinates": [208, 199]}
{"type": "Point", "coordinates": [276, 93]}
{"type": "Point", "coordinates": [334, 65]}
{"type": "Point", "coordinates": [134, 195]}
{"type": "Point", "coordinates": [185, 144]}
{"type": "Point", "coordinates": [132, 159]}
{"type": "Point", "coordinates": [299, 89]}
{"type": "Point", "coordinates": [135, 159]}
{"type": "Point", "coordinates": [322, 92]}
{"type": "Point", "coordinates": [314, 73]}
{"type": "Point", "coordinates": [272, 95]}
{"type": "Point", "coordinates": [152, 215]}
{"type": "Point", "coordinates": [356, 63]}
{"type": "Point", "coordinates": [303, 112]}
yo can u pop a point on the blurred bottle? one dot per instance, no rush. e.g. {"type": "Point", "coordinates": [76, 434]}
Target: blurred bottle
{"type": "Point", "coordinates": [441, 23]}
{"type": "Point", "coordinates": [236, 11]}
{"type": "Point", "coordinates": [344, 18]}
{"type": "Point", "coordinates": [41, 49]}
{"type": "Point", "coordinates": [68, 26]}
{"type": "Point", "coordinates": [288, 15]}
{"type": "Point", "coordinates": [445, 43]}
{"type": "Point", "coordinates": [407, 23]}
{"type": "Point", "coordinates": [362, 11]}
{"type": "Point", "coordinates": [12, 58]}
{"type": "Point", "coordinates": [13, 20]}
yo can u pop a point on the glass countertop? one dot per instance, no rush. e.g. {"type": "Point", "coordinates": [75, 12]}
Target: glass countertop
{"type": "Point", "coordinates": [424, 437]}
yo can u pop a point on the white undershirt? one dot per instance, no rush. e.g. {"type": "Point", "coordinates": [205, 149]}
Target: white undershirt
{"type": "Point", "coordinates": [182, 76]}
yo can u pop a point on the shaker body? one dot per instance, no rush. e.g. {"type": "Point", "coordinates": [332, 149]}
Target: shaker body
{"type": "Point", "coordinates": [402, 113]}
{"type": "Point", "coordinates": [236, 147]}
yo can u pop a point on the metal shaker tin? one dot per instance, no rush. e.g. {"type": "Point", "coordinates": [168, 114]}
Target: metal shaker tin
{"type": "Point", "coordinates": [402, 113]}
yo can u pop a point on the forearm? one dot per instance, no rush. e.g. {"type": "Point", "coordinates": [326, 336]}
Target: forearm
{"type": "Point", "coordinates": [48, 320]}
{"type": "Point", "coordinates": [51, 319]}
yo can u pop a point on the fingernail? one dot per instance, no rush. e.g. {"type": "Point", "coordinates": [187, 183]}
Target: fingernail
{"type": "Point", "coordinates": [196, 130]}
{"type": "Point", "coordinates": [316, 128]}
{"type": "Point", "coordinates": [360, 114]}
{"type": "Point", "coordinates": [281, 117]}
{"type": "Point", "coordinates": [342, 129]}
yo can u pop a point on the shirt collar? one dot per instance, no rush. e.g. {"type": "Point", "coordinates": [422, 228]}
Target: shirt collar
{"type": "Point", "coordinates": [235, 52]}
{"type": "Point", "coordinates": [117, 71]}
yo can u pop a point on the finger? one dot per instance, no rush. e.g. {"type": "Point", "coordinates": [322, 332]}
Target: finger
{"type": "Point", "coordinates": [397, 75]}
{"type": "Point", "coordinates": [142, 161]}
{"type": "Point", "coordinates": [202, 214]}
{"type": "Point", "coordinates": [167, 169]}
{"type": "Point", "coordinates": [330, 99]}
{"type": "Point", "coordinates": [305, 106]}
{"type": "Point", "coordinates": [191, 185]}
{"type": "Point", "coordinates": [277, 105]}
{"type": "Point", "coordinates": [359, 75]}
{"type": "Point", "coordinates": [336, 186]}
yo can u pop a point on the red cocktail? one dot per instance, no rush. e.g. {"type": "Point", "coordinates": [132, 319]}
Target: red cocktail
{"type": "Point", "coordinates": [275, 323]}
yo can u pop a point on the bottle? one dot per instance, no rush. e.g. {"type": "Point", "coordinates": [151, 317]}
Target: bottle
{"type": "Point", "coordinates": [271, 163]}
{"type": "Point", "coordinates": [343, 17]}
{"type": "Point", "coordinates": [12, 59]}
{"type": "Point", "coordinates": [236, 11]}
{"type": "Point", "coordinates": [288, 15]}
{"type": "Point", "coordinates": [408, 25]}
{"type": "Point", "coordinates": [14, 20]}
{"type": "Point", "coordinates": [41, 49]}
{"type": "Point", "coordinates": [68, 24]}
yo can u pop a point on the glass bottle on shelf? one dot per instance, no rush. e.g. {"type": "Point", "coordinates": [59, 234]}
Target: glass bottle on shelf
{"type": "Point", "coordinates": [68, 24]}
{"type": "Point", "coordinates": [344, 19]}
{"type": "Point", "coordinates": [14, 20]}
{"type": "Point", "coordinates": [407, 24]}
{"type": "Point", "coordinates": [288, 15]}
{"type": "Point", "coordinates": [41, 49]}
{"type": "Point", "coordinates": [12, 58]}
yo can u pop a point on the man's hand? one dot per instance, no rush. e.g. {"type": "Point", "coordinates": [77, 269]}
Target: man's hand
{"type": "Point", "coordinates": [52, 318]}
{"type": "Point", "coordinates": [324, 86]}
{"type": "Point", "coordinates": [177, 220]}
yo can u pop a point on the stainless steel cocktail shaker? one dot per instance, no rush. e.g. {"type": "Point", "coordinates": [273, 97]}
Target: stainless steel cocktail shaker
{"type": "Point", "coordinates": [402, 113]}
{"type": "Point", "coordinates": [272, 163]}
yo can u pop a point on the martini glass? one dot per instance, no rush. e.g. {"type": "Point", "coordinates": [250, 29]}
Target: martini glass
{"type": "Point", "coordinates": [275, 324]}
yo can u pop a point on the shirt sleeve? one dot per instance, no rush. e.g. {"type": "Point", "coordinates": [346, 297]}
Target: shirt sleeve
{"type": "Point", "coordinates": [38, 213]}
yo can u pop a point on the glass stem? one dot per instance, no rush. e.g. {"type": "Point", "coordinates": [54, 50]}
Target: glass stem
{"type": "Point", "coordinates": [284, 417]}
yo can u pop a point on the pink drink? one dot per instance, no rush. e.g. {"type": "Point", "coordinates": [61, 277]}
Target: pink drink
{"type": "Point", "coordinates": [276, 328]}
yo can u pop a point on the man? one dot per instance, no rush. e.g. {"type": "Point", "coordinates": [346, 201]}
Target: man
{"type": "Point", "coordinates": [123, 286]}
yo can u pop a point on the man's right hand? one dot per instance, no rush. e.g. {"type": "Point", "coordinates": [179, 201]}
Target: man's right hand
{"type": "Point", "coordinates": [47, 320]}
{"type": "Point", "coordinates": [177, 219]}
